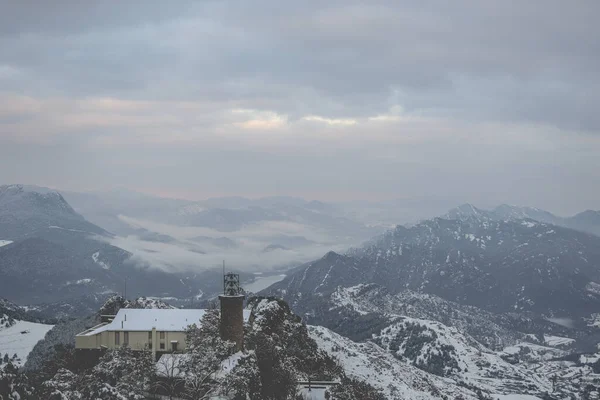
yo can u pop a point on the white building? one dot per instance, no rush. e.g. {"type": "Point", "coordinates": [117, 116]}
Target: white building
{"type": "Point", "coordinates": [161, 330]}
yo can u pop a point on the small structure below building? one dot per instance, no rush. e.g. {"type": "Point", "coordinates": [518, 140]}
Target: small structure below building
{"type": "Point", "coordinates": [315, 390]}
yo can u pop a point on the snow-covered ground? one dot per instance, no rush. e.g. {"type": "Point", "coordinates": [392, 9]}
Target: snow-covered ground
{"type": "Point", "coordinates": [20, 339]}
{"type": "Point", "coordinates": [533, 352]}
{"type": "Point", "coordinates": [527, 378]}
{"type": "Point", "coordinates": [566, 322]}
{"type": "Point", "coordinates": [372, 364]}
{"type": "Point", "coordinates": [476, 364]}
{"type": "Point", "coordinates": [558, 341]}
{"type": "Point", "coordinates": [5, 242]}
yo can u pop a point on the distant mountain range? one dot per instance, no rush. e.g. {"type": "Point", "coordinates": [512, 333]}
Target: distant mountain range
{"type": "Point", "coordinates": [233, 228]}
{"type": "Point", "coordinates": [516, 259]}
{"type": "Point", "coordinates": [475, 303]}
{"type": "Point", "coordinates": [586, 221]}
{"type": "Point", "coordinates": [51, 254]}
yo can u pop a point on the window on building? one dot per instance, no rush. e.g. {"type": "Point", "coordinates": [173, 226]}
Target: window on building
{"type": "Point", "coordinates": [149, 336]}
{"type": "Point", "coordinates": [117, 338]}
{"type": "Point", "coordinates": [174, 346]}
{"type": "Point", "coordinates": [162, 346]}
{"type": "Point", "coordinates": [162, 336]}
{"type": "Point", "coordinates": [126, 338]}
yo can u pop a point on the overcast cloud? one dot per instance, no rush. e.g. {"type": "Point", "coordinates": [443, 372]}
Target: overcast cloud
{"type": "Point", "coordinates": [488, 102]}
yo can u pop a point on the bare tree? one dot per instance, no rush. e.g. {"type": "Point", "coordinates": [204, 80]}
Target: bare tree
{"type": "Point", "coordinates": [170, 381]}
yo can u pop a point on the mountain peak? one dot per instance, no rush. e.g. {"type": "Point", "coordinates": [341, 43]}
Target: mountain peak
{"type": "Point", "coordinates": [588, 214]}
{"type": "Point", "coordinates": [330, 256]}
{"type": "Point", "coordinates": [47, 199]}
{"type": "Point", "coordinates": [11, 189]}
{"type": "Point", "coordinates": [466, 210]}
{"type": "Point", "coordinates": [25, 210]}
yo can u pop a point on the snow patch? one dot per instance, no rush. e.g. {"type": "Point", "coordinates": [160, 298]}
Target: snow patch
{"type": "Point", "coordinates": [370, 363]}
{"type": "Point", "coordinates": [528, 224]}
{"type": "Point", "coordinates": [566, 322]}
{"type": "Point", "coordinates": [558, 341]}
{"type": "Point", "coordinates": [593, 287]}
{"type": "Point", "coordinates": [5, 242]}
{"type": "Point", "coordinates": [20, 339]}
{"type": "Point", "coordinates": [96, 258]}
{"type": "Point", "coordinates": [83, 281]}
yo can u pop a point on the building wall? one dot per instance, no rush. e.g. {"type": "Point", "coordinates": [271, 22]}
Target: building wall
{"type": "Point", "coordinates": [138, 340]}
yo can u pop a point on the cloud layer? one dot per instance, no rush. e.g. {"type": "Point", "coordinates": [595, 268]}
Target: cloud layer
{"type": "Point", "coordinates": [492, 102]}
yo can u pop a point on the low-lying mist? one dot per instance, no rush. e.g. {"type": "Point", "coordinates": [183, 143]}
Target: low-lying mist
{"type": "Point", "coordinates": [259, 247]}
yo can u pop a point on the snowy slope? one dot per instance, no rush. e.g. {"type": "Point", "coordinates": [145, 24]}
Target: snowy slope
{"type": "Point", "coordinates": [481, 370]}
{"type": "Point", "coordinates": [397, 380]}
{"type": "Point", "coordinates": [499, 266]}
{"type": "Point", "coordinates": [20, 338]}
{"type": "Point", "coordinates": [445, 351]}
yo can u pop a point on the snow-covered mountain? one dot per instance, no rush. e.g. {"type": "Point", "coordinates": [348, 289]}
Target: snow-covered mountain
{"type": "Point", "coordinates": [23, 213]}
{"type": "Point", "coordinates": [51, 254]}
{"type": "Point", "coordinates": [420, 359]}
{"type": "Point", "coordinates": [417, 358]}
{"type": "Point", "coordinates": [502, 266]}
{"type": "Point", "coordinates": [361, 311]}
{"type": "Point", "coordinates": [398, 344]}
{"type": "Point", "coordinates": [500, 303]}
{"type": "Point", "coordinates": [586, 221]}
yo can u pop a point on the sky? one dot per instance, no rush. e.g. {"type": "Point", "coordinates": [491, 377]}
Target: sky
{"type": "Point", "coordinates": [485, 102]}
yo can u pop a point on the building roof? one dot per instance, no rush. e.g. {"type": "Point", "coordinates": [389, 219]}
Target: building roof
{"type": "Point", "coordinates": [170, 320]}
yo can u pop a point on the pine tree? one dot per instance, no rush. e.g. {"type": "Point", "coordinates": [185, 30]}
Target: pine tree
{"type": "Point", "coordinates": [13, 384]}
{"type": "Point", "coordinates": [64, 384]}
{"type": "Point", "coordinates": [206, 352]}
{"type": "Point", "coordinates": [121, 374]}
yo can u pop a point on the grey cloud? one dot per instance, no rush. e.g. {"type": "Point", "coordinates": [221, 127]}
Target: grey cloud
{"type": "Point", "coordinates": [504, 95]}
{"type": "Point", "coordinates": [338, 59]}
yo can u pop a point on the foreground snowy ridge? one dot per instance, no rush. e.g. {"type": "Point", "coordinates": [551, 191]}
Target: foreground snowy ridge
{"type": "Point", "coordinates": [397, 380]}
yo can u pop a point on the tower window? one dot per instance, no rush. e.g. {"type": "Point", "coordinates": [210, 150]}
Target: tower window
{"type": "Point", "coordinates": [117, 338]}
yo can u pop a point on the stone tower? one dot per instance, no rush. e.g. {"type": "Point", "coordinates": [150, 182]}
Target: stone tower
{"type": "Point", "coordinates": [232, 311]}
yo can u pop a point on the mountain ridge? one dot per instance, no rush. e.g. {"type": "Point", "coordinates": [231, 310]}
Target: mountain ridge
{"type": "Point", "coordinates": [586, 221]}
{"type": "Point", "coordinates": [518, 265]}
